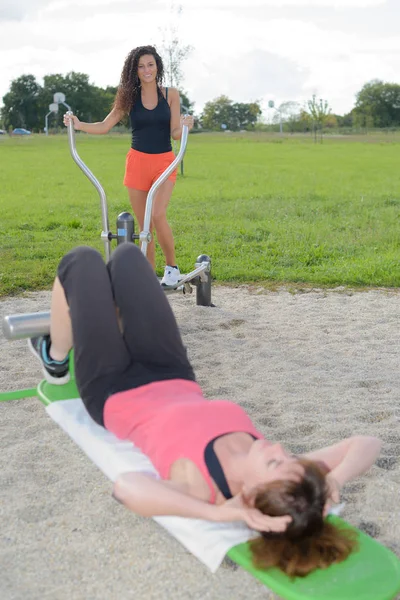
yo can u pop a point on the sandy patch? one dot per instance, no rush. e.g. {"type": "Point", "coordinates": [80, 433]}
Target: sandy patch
{"type": "Point", "coordinates": [309, 368]}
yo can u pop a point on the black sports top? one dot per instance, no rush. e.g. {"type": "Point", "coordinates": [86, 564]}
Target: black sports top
{"type": "Point", "coordinates": [215, 469]}
{"type": "Point", "coordinates": [151, 129]}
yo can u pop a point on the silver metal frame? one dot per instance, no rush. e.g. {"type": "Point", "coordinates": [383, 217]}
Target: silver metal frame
{"type": "Point", "coordinates": [105, 234]}
{"type": "Point", "coordinates": [145, 236]}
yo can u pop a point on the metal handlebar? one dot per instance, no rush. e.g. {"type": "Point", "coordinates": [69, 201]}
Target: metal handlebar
{"type": "Point", "coordinates": [94, 181]}
{"type": "Point", "coordinates": [144, 235]}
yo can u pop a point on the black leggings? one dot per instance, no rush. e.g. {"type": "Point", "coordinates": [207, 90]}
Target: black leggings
{"type": "Point", "coordinates": [150, 346]}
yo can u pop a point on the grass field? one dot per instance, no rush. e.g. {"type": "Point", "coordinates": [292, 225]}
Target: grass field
{"type": "Point", "coordinates": [266, 209]}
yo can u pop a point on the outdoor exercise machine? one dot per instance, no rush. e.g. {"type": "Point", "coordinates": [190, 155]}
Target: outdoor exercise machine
{"type": "Point", "coordinates": [33, 324]}
{"type": "Point", "coordinates": [199, 277]}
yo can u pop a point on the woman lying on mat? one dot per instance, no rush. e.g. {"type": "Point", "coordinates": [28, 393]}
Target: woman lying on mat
{"type": "Point", "coordinates": [135, 380]}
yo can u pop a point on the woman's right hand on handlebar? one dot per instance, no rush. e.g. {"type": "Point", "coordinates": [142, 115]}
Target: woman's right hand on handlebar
{"type": "Point", "coordinates": [76, 122]}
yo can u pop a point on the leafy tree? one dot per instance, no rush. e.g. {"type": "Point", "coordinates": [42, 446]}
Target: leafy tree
{"type": "Point", "coordinates": [187, 106]}
{"type": "Point", "coordinates": [378, 103]}
{"type": "Point", "coordinates": [104, 99]}
{"type": "Point", "coordinates": [21, 103]}
{"type": "Point", "coordinates": [290, 114]}
{"type": "Point", "coordinates": [319, 110]}
{"type": "Point", "coordinates": [345, 120]}
{"type": "Point", "coordinates": [244, 115]}
{"type": "Point", "coordinates": [331, 121]}
{"type": "Point", "coordinates": [222, 113]}
{"type": "Point", "coordinates": [305, 123]}
{"type": "Point", "coordinates": [216, 113]}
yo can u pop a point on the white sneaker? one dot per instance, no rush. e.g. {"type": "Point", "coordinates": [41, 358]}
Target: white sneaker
{"type": "Point", "coordinates": [171, 276]}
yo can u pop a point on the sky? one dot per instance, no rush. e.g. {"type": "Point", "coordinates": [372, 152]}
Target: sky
{"type": "Point", "coordinates": [249, 50]}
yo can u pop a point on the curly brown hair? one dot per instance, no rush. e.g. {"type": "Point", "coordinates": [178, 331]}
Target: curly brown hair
{"type": "Point", "coordinates": [310, 541]}
{"type": "Point", "coordinates": [129, 84]}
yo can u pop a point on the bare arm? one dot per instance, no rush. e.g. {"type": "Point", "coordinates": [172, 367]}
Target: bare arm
{"type": "Point", "coordinates": [176, 119]}
{"type": "Point", "coordinates": [349, 458]}
{"type": "Point", "coordinates": [149, 497]}
{"type": "Point", "coordinates": [99, 128]}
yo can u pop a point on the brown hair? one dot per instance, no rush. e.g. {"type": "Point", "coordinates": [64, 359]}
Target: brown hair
{"type": "Point", "coordinates": [129, 84]}
{"type": "Point", "coordinates": [310, 541]}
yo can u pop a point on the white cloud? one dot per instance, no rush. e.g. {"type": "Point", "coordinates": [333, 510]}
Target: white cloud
{"type": "Point", "coordinates": [228, 4]}
{"type": "Point", "coordinates": [22, 9]}
{"type": "Point", "coordinates": [307, 58]}
{"type": "Point", "coordinates": [248, 54]}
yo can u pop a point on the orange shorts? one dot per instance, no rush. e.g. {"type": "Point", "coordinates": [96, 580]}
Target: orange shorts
{"type": "Point", "coordinates": [142, 169]}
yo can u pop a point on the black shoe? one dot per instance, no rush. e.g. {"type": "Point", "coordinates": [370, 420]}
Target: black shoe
{"type": "Point", "coordinates": [56, 372]}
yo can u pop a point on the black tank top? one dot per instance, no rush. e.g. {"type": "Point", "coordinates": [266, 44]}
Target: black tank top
{"type": "Point", "coordinates": [215, 469]}
{"type": "Point", "coordinates": [151, 129]}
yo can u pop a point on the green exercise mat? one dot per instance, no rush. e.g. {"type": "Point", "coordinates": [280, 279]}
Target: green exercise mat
{"type": "Point", "coordinates": [371, 573]}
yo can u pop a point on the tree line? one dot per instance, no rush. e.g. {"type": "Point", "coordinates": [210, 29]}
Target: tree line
{"type": "Point", "coordinates": [27, 102]}
{"type": "Point", "coordinates": [377, 106]}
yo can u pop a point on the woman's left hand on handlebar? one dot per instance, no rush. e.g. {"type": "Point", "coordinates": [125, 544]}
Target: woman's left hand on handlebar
{"type": "Point", "coordinates": [187, 120]}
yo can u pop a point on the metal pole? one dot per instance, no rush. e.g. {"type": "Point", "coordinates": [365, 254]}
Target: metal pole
{"type": "Point", "coordinates": [185, 108]}
{"type": "Point", "coordinates": [46, 122]}
{"type": "Point", "coordinates": [97, 185]}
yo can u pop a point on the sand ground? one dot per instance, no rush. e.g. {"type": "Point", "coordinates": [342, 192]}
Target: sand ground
{"type": "Point", "coordinates": [310, 368]}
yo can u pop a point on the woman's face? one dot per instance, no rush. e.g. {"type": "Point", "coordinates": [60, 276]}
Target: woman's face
{"type": "Point", "coordinates": [147, 68]}
{"type": "Point", "coordinates": [268, 462]}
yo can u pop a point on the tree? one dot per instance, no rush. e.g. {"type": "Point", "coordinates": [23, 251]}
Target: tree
{"type": "Point", "coordinates": [216, 113]}
{"type": "Point", "coordinates": [173, 52]}
{"type": "Point", "coordinates": [187, 106]}
{"type": "Point", "coordinates": [244, 115]}
{"type": "Point", "coordinates": [345, 120]}
{"type": "Point", "coordinates": [331, 121]}
{"type": "Point", "coordinates": [290, 114]}
{"type": "Point", "coordinates": [89, 102]}
{"type": "Point", "coordinates": [27, 102]}
{"type": "Point", "coordinates": [319, 110]}
{"type": "Point", "coordinates": [21, 103]}
{"type": "Point", "coordinates": [222, 113]}
{"type": "Point", "coordinates": [305, 123]}
{"type": "Point", "coordinates": [378, 104]}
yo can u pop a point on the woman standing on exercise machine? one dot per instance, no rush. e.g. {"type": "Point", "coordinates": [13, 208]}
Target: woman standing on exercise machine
{"type": "Point", "coordinates": [154, 113]}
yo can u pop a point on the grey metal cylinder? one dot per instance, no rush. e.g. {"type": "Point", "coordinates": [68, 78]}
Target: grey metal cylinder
{"type": "Point", "coordinates": [16, 327]}
{"type": "Point", "coordinates": [125, 228]}
{"type": "Point", "coordinates": [203, 287]}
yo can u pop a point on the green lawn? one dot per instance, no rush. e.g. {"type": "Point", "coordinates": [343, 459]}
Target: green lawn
{"type": "Point", "coordinates": [266, 209]}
